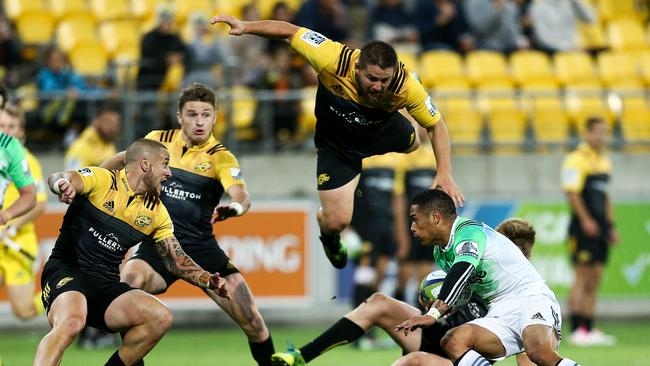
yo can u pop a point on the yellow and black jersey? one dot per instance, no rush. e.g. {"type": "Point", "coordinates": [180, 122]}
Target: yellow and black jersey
{"type": "Point", "coordinates": [338, 99]}
{"type": "Point", "coordinates": [378, 183]}
{"type": "Point", "coordinates": [200, 176]}
{"type": "Point", "coordinates": [26, 234]}
{"type": "Point", "coordinates": [88, 150]}
{"type": "Point", "coordinates": [105, 220]}
{"type": "Point", "coordinates": [587, 172]}
{"type": "Point", "coordinates": [419, 171]}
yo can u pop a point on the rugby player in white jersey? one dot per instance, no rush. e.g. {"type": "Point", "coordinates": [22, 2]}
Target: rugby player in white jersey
{"type": "Point", "coordinates": [523, 313]}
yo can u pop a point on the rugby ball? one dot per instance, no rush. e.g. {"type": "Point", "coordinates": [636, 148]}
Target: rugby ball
{"type": "Point", "coordinates": [431, 285]}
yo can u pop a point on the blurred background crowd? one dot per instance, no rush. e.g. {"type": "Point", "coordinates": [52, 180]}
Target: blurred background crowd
{"type": "Point", "coordinates": [508, 75]}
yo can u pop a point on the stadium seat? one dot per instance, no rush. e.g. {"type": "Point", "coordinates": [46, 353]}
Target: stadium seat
{"type": "Point", "coordinates": [75, 30]}
{"type": "Point", "coordinates": [550, 127]}
{"type": "Point", "coordinates": [487, 68]}
{"type": "Point", "coordinates": [530, 68]}
{"type": "Point", "coordinates": [591, 36]}
{"type": "Point", "coordinates": [465, 129]}
{"type": "Point", "coordinates": [35, 28]}
{"type": "Point", "coordinates": [575, 69]}
{"type": "Point", "coordinates": [507, 130]}
{"type": "Point", "coordinates": [120, 35]}
{"type": "Point", "coordinates": [65, 8]}
{"type": "Point", "coordinates": [617, 9]}
{"type": "Point", "coordinates": [244, 107]}
{"type": "Point", "coordinates": [16, 8]}
{"type": "Point", "coordinates": [110, 9]}
{"type": "Point", "coordinates": [173, 78]}
{"type": "Point", "coordinates": [143, 9]}
{"type": "Point", "coordinates": [583, 104]}
{"type": "Point", "coordinates": [89, 60]}
{"type": "Point", "coordinates": [618, 69]}
{"type": "Point", "coordinates": [626, 34]}
{"type": "Point", "coordinates": [409, 60]}
{"type": "Point", "coordinates": [184, 8]}
{"type": "Point", "coordinates": [441, 67]}
{"type": "Point", "coordinates": [635, 129]}
{"type": "Point", "coordinates": [306, 118]}
{"type": "Point", "coordinates": [644, 65]}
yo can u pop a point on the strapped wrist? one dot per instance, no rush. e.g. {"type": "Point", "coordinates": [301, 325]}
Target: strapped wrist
{"type": "Point", "coordinates": [237, 207]}
{"type": "Point", "coordinates": [435, 313]}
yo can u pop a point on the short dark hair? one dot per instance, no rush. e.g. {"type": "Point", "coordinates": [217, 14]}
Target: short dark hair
{"type": "Point", "coordinates": [4, 94]}
{"type": "Point", "coordinates": [592, 121]}
{"type": "Point", "coordinates": [378, 53]}
{"type": "Point", "coordinates": [435, 200]}
{"type": "Point", "coordinates": [196, 92]}
{"type": "Point", "coordinates": [520, 232]}
{"type": "Point", "coordinates": [108, 107]}
{"type": "Point", "coordinates": [141, 147]}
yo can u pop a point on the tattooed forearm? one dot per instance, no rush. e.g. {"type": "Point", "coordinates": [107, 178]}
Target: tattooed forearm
{"type": "Point", "coordinates": [179, 263]}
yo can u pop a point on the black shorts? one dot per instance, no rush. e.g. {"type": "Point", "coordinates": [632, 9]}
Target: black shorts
{"type": "Point", "coordinates": [340, 152]}
{"type": "Point", "coordinates": [585, 250]}
{"type": "Point", "coordinates": [61, 276]}
{"type": "Point", "coordinates": [206, 254]}
{"type": "Point", "coordinates": [432, 335]}
{"type": "Point", "coordinates": [379, 235]}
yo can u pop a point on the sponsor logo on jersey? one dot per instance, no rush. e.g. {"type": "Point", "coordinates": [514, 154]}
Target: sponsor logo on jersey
{"type": "Point", "coordinates": [235, 173]}
{"type": "Point", "coordinates": [143, 220]}
{"type": "Point", "coordinates": [430, 106]}
{"type": "Point", "coordinates": [467, 248]}
{"type": "Point", "coordinates": [109, 205]}
{"type": "Point", "coordinates": [85, 172]}
{"type": "Point", "coordinates": [177, 191]}
{"type": "Point", "coordinates": [323, 178]}
{"type": "Point", "coordinates": [108, 241]}
{"type": "Point", "coordinates": [313, 38]}
{"type": "Point", "coordinates": [64, 281]}
{"type": "Point", "coordinates": [203, 167]}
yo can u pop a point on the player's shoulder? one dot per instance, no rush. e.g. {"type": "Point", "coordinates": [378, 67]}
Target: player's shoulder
{"type": "Point", "coordinates": [8, 142]}
{"type": "Point", "coordinates": [163, 136]}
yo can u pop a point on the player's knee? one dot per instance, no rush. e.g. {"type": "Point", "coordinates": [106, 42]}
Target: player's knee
{"type": "Point", "coordinates": [540, 355]}
{"type": "Point", "coordinates": [454, 341]}
{"type": "Point", "coordinates": [70, 328]}
{"type": "Point", "coordinates": [335, 223]}
{"type": "Point", "coordinates": [376, 302]}
{"type": "Point", "coordinates": [23, 312]}
{"type": "Point", "coordinates": [162, 317]}
{"type": "Point", "coordinates": [411, 359]}
{"type": "Point", "coordinates": [133, 278]}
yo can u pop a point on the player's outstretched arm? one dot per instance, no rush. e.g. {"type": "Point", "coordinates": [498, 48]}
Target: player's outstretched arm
{"type": "Point", "coordinates": [441, 143]}
{"type": "Point", "coordinates": [239, 204]}
{"type": "Point", "coordinates": [179, 263]}
{"type": "Point", "coordinates": [436, 311]}
{"type": "Point", "coordinates": [115, 162]}
{"type": "Point", "coordinates": [25, 202]}
{"type": "Point", "coordinates": [264, 28]}
{"type": "Point", "coordinates": [66, 185]}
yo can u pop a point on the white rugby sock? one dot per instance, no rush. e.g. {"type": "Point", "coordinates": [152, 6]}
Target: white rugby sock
{"type": "Point", "coordinates": [472, 358]}
{"type": "Point", "coordinates": [567, 362]}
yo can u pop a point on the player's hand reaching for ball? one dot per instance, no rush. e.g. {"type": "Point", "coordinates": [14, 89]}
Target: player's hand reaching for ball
{"type": "Point", "coordinates": [447, 183]}
{"type": "Point", "coordinates": [236, 25]}
{"type": "Point", "coordinates": [219, 285]}
{"type": "Point", "coordinates": [420, 321]}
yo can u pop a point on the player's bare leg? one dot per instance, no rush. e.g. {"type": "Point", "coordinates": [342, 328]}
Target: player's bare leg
{"type": "Point", "coordinates": [472, 343]}
{"type": "Point", "coordinates": [23, 301]}
{"type": "Point", "coordinates": [143, 319]}
{"type": "Point", "coordinates": [139, 274]}
{"type": "Point", "coordinates": [241, 308]}
{"type": "Point", "coordinates": [334, 216]}
{"type": "Point", "coordinates": [540, 343]}
{"type": "Point", "coordinates": [422, 359]}
{"type": "Point", "coordinates": [67, 316]}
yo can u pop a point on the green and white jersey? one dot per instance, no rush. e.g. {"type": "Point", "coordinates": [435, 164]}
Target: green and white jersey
{"type": "Point", "coordinates": [500, 269]}
{"type": "Point", "coordinates": [13, 165]}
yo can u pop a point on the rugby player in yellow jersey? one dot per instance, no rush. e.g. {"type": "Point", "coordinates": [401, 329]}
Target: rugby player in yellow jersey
{"type": "Point", "coordinates": [203, 170]}
{"type": "Point", "coordinates": [16, 269]}
{"type": "Point", "coordinates": [359, 97]}
{"type": "Point", "coordinates": [111, 211]}
{"type": "Point", "coordinates": [96, 142]}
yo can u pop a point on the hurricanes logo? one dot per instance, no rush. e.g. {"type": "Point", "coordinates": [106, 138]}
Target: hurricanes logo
{"type": "Point", "coordinates": [46, 291]}
{"type": "Point", "coordinates": [63, 282]}
{"type": "Point", "coordinates": [143, 220]}
{"type": "Point", "coordinates": [412, 138]}
{"type": "Point", "coordinates": [323, 178]}
{"type": "Point", "coordinates": [203, 167]}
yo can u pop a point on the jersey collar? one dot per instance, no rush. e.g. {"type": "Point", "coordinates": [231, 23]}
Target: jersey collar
{"type": "Point", "coordinates": [451, 235]}
{"type": "Point", "coordinates": [125, 183]}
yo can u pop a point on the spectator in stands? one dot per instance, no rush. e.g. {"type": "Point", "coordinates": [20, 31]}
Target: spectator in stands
{"type": "Point", "coordinates": [96, 143]}
{"type": "Point", "coordinates": [59, 108]}
{"type": "Point", "coordinates": [10, 56]}
{"type": "Point", "coordinates": [207, 50]}
{"type": "Point", "coordinates": [441, 25]}
{"type": "Point", "coordinates": [249, 53]}
{"type": "Point", "coordinates": [324, 16]}
{"type": "Point", "coordinates": [159, 49]}
{"type": "Point", "coordinates": [495, 25]}
{"type": "Point", "coordinates": [391, 22]}
{"type": "Point", "coordinates": [554, 23]}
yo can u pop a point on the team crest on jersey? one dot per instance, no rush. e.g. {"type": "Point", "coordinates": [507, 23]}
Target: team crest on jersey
{"type": "Point", "coordinates": [313, 38]}
{"type": "Point", "coordinates": [467, 248]}
{"type": "Point", "coordinates": [203, 167]}
{"type": "Point", "coordinates": [143, 220]}
{"type": "Point", "coordinates": [85, 172]}
{"type": "Point", "coordinates": [64, 281]}
{"type": "Point", "coordinates": [323, 178]}
{"type": "Point", "coordinates": [235, 173]}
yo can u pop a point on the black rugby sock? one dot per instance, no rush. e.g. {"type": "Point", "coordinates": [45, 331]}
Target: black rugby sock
{"type": "Point", "coordinates": [576, 321]}
{"type": "Point", "coordinates": [115, 360]}
{"type": "Point", "coordinates": [262, 351]}
{"type": "Point", "coordinates": [342, 332]}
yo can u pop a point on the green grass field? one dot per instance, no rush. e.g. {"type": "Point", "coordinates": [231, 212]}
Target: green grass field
{"type": "Point", "coordinates": [227, 346]}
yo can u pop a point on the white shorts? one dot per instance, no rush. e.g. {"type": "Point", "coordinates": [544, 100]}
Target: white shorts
{"type": "Point", "coordinates": [509, 317]}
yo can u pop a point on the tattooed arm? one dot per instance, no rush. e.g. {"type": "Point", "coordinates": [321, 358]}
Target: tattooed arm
{"type": "Point", "coordinates": [178, 262]}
